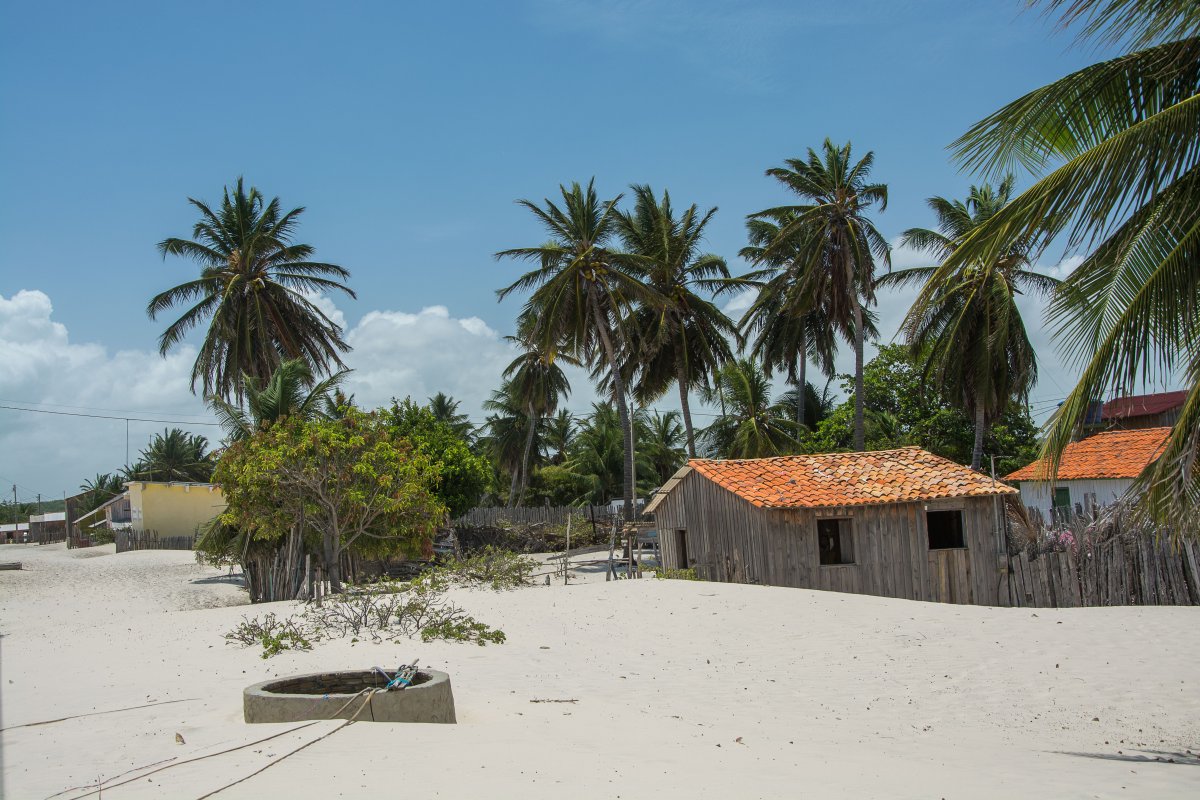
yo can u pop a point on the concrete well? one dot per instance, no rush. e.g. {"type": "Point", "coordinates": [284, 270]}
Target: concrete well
{"type": "Point", "coordinates": [343, 695]}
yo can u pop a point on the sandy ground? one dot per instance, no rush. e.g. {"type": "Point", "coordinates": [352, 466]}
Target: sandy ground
{"type": "Point", "coordinates": [680, 689]}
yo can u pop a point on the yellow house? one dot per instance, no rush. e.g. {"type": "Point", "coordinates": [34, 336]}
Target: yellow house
{"type": "Point", "coordinates": [173, 509]}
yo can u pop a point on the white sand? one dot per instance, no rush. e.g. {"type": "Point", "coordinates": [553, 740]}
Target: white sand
{"type": "Point", "coordinates": [684, 690]}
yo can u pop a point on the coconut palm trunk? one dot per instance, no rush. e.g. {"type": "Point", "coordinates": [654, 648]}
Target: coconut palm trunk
{"type": "Point", "coordinates": [687, 411]}
{"type": "Point", "coordinates": [801, 382]}
{"type": "Point", "coordinates": [980, 429]}
{"type": "Point", "coordinates": [618, 389]}
{"type": "Point", "coordinates": [529, 435]}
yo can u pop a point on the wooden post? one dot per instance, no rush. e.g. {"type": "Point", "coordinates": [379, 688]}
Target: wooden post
{"type": "Point", "coordinates": [567, 554]}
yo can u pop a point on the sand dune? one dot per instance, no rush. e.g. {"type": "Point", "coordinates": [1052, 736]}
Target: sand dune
{"type": "Point", "coordinates": [682, 689]}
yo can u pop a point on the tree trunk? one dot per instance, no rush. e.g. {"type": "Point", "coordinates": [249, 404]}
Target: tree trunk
{"type": "Point", "coordinates": [681, 378]}
{"type": "Point", "coordinates": [512, 487]}
{"type": "Point", "coordinates": [860, 435]}
{"type": "Point", "coordinates": [980, 429]}
{"type": "Point", "coordinates": [533, 421]}
{"type": "Point", "coordinates": [801, 384]}
{"type": "Point", "coordinates": [618, 388]}
{"type": "Point", "coordinates": [333, 558]}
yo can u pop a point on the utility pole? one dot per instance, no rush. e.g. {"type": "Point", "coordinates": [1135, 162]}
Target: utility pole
{"type": "Point", "coordinates": [15, 504]}
{"type": "Point", "coordinates": [39, 502]}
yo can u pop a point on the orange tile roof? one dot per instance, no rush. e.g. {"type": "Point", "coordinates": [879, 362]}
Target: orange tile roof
{"type": "Point", "coordinates": [847, 479]}
{"type": "Point", "coordinates": [1112, 454]}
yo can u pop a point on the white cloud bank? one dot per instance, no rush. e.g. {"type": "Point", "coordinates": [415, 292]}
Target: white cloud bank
{"type": "Point", "coordinates": [395, 354]}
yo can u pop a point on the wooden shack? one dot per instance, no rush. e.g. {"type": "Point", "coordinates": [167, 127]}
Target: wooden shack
{"type": "Point", "coordinates": [894, 523]}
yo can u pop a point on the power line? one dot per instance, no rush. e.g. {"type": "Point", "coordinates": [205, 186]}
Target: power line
{"type": "Point", "coordinates": [87, 408]}
{"type": "Point", "coordinates": [108, 416]}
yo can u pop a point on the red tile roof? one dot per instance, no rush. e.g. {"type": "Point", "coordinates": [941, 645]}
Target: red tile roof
{"type": "Point", "coordinates": [847, 479]}
{"type": "Point", "coordinates": [1142, 405]}
{"type": "Point", "coordinates": [1112, 454]}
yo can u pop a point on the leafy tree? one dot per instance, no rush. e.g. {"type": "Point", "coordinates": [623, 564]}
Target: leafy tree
{"type": "Point", "coordinates": [352, 482]}
{"type": "Point", "coordinates": [556, 485]}
{"type": "Point", "coordinates": [291, 391]}
{"type": "Point", "coordinates": [461, 475]}
{"type": "Point", "coordinates": [174, 455]}
{"type": "Point", "coordinates": [688, 338]}
{"type": "Point", "coordinates": [1117, 145]}
{"type": "Point", "coordinates": [903, 411]}
{"type": "Point", "coordinates": [831, 242]}
{"type": "Point", "coordinates": [750, 425]}
{"type": "Point", "coordinates": [582, 290]}
{"type": "Point", "coordinates": [254, 292]}
{"type": "Point", "coordinates": [967, 327]}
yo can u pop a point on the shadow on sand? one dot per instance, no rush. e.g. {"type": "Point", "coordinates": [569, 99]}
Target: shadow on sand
{"type": "Point", "coordinates": [1143, 757]}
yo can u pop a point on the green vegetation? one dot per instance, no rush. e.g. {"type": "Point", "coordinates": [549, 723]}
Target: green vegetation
{"type": "Point", "coordinates": [253, 291]}
{"type": "Point", "coordinates": [346, 483]}
{"type": "Point", "coordinates": [628, 293]}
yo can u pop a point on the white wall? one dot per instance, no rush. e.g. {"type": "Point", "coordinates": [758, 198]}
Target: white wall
{"type": "Point", "coordinates": [1040, 495]}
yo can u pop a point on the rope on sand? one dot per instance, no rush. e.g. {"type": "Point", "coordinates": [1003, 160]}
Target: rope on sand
{"type": "Point", "coordinates": [101, 787]}
{"type": "Point", "coordinates": [96, 713]}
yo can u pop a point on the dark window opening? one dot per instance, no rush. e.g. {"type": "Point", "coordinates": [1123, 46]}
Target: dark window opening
{"type": "Point", "coordinates": [681, 553]}
{"type": "Point", "coordinates": [945, 530]}
{"type": "Point", "coordinates": [834, 541]}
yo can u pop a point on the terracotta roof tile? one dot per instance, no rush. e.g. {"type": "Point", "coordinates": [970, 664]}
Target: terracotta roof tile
{"type": "Point", "coordinates": [847, 479]}
{"type": "Point", "coordinates": [1112, 454]}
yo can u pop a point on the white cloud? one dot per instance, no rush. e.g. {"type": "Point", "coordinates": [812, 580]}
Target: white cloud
{"type": "Point", "coordinates": [395, 354]}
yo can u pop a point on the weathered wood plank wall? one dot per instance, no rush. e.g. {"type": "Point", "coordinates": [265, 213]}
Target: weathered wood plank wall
{"type": "Point", "coordinates": [729, 539]}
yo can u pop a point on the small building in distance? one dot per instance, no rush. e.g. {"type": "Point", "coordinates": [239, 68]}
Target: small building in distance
{"type": "Point", "coordinates": [1094, 472]}
{"type": "Point", "coordinates": [14, 532]}
{"type": "Point", "coordinates": [174, 508]}
{"type": "Point", "coordinates": [1159, 410]}
{"type": "Point", "coordinates": [894, 523]}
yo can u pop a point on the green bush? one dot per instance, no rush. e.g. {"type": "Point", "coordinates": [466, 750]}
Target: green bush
{"type": "Point", "coordinates": [688, 574]}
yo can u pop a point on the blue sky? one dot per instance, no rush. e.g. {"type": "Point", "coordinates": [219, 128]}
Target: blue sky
{"type": "Point", "coordinates": [407, 130]}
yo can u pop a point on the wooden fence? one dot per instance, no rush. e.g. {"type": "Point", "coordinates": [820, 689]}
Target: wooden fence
{"type": "Point", "coordinates": [1113, 559]}
{"type": "Point", "coordinates": [1117, 572]}
{"type": "Point", "coordinates": [150, 540]}
{"type": "Point", "coordinates": [497, 516]}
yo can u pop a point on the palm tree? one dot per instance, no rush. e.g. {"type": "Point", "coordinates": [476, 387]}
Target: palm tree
{"type": "Point", "coordinates": [788, 327]}
{"type": "Point", "coordinates": [967, 332]}
{"type": "Point", "coordinates": [582, 290]}
{"type": "Point", "coordinates": [445, 410]}
{"type": "Point", "coordinates": [811, 406]}
{"type": "Point", "coordinates": [598, 457]}
{"type": "Point", "coordinates": [833, 243]}
{"type": "Point", "coordinates": [255, 293]}
{"type": "Point", "coordinates": [688, 338]}
{"type": "Point", "coordinates": [100, 489]}
{"type": "Point", "coordinates": [662, 440]}
{"type": "Point", "coordinates": [506, 429]}
{"type": "Point", "coordinates": [1118, 143]}
{"type": "Point", "coordinates": [291, 391]}
{"type": "Point", "coordinates": [174, 455]}
{"type": "Point", "coordinates": [751, 426]}
{"type": "Point", "coordinates": [559, 436]}
{"type": "Point", "coordinates": [538, 383]}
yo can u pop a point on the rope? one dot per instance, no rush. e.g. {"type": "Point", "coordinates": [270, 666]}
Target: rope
{"type": "Point", "coordinates": [96, 713]}
{"type": "Point", "coordinates": [100, 788]}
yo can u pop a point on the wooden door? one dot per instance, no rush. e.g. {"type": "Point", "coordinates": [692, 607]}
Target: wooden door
{"type": "Point", "coordinates": [950, 573]}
